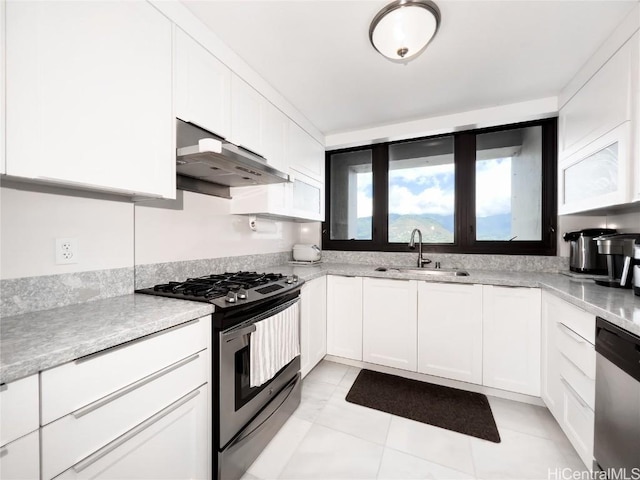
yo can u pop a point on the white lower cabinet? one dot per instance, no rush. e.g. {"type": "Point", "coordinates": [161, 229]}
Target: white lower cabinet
{"type": "Point", "coordinates": [389, 335]}
{"type": "Point", "coordinates": [450, 331]}
{"type": "Point", "coordinates": [313, 323]}
{"type": "Point", "coordinates": [20, 459]}
{"type": "Point", "coordinates": [152, 424]}
{"type": "Point", "coordinates": [19, 434]}
{"type": "Point", "coordinates": [169, 445]}
{"type": "Point", "coordinates": [568, 371]}
{"type": "Point", "coordinates": [344, 317]}
{"type": "Point", "coordinates": [511, 339]}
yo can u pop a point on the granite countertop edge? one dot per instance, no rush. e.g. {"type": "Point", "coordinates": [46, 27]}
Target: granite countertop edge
{"type": "Point", "coordinates": [38, 341]}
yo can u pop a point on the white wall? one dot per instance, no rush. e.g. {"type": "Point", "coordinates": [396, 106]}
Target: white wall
{"type": "Point", "coordinates": [113, 233]}
{"type": "Point", "coordinates": [30, 221]}
{"type": "Point", "coordinates": [486, 117]}
{"type": "Point", "coordinates": [198, 226]}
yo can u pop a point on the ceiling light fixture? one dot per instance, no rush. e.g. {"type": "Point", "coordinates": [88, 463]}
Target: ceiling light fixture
{"type": "Point", "coordinates": [402, 29]}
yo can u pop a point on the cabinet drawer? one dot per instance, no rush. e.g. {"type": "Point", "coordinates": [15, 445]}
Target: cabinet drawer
{"type": "Point", "coordinates": [19, 404]}
{"type": "Point", "coordinates": [71, 438]}
{"type": "Point", "coordinates": [76, 384]}
{"type": "Point", "coordinates": [581, 353]}
{"type": "Point", "coordinates": [20, 459]}
{"type": "Point", "coordinates": [578, 425]}
{"type": "Point", "coordinates": [581, 322]}
{"type": "Point", "coordinates": [574, 379]}
{"type": "Point", "coordinates": [178, 432]}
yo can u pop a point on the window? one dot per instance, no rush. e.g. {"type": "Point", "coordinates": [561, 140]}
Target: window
{"type": "Point", "coordinates": [481, 191]}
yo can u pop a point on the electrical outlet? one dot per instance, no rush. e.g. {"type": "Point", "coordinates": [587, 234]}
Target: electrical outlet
{"type": "Point", "coordinates": [66, 251]}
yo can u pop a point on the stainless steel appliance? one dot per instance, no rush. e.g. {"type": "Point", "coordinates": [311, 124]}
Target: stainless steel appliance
{"type": "Point", "coordinates": [584, 256]}
{"type": "Point", "coordinates": [208, 164]}
{"type": "Point", "coordinates": [619, 251]}
{"type": "Point", "coordinates": [617, 407]}
{"type": "Point", "coordinates": [244, 418]}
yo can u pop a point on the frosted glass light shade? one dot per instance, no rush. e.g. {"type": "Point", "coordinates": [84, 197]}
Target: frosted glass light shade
{"type": "Point", "coordinates": [402, 29]}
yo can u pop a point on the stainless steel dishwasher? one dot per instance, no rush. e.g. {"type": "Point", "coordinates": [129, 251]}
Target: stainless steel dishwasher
{"type": "Point", "coordinates": [617, 407]}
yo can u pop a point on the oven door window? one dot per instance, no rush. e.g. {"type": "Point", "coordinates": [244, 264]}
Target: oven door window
{"type": "Point", "coordinates": [243, 391]}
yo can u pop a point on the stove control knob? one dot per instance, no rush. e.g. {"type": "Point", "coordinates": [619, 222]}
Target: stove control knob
{"type": "Point", "coordinates": [292, 279]}
{"type": "Point", "coordinates": [289, 280]}
{"type": "Point", "coordinates": [232, 297]}
{"type": "Point", "coordinates": [242, 294]}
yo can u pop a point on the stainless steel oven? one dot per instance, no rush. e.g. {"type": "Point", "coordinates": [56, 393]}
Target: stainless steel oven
{"type": "Point", "coordinates": [245, 418]}
{"type": "Point", "coordinates": [248, 417]}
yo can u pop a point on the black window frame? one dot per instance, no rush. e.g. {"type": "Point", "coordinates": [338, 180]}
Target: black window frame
{"type": "Point", "coordinates": [464, 227]}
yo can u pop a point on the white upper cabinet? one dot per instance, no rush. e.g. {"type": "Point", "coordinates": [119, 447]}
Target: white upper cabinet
{"type": "Point", "coordinates": [597, 131]}
{"type": "Point", "coordinates": [246, 115]}
{"type": "Point", "coordinates": [602, 104]}
{"type": "Point", "coordinates": [511, 339]}
{"type": "Point", "coordinates": [390, 323]}
{"type": "Point", "coordinates": [274, 136]}
{"type": "Point", "coordinates": [304, 153]}
{"type": "Point", "coordinates": [203, 87]}
{"type": "Point", "coordinates": [447, 312]}
{"type": "Point", "coordinates": [89, 96]}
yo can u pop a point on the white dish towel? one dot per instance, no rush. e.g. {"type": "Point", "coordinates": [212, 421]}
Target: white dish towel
{"type": "Point", "coordinates": [275, 343]}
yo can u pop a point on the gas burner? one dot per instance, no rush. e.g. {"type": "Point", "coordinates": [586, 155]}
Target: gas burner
{"type": "Point", "coordinates": [226, 289]}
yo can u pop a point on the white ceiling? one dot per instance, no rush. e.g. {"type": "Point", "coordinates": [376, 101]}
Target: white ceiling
{"type": "Point", "coordinates": [317, 54]}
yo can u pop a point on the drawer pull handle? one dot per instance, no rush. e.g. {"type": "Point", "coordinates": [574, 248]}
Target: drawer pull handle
{"type": "Point", "coordinates": [109, 447]}
{"type": "Point", "coordinates": [136, 340]}
{"type": "Point", "coordinates": [81, 412]}
{"type": "Point", "coordinates": [570, 333]}
{"type": "Point", "coordinates": [574, 393]}
{"type": "Point", "coordinates": [4, 451]}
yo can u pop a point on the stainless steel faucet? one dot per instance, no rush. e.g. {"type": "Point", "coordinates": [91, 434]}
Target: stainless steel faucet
{"type": "Point", "coordinates": [412, 245]}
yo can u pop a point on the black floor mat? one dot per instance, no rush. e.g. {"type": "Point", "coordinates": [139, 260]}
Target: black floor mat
{"type": "Point", "coordinates": [445, 407]}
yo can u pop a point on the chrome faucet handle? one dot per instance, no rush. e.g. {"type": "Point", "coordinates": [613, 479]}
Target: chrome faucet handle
{"type": "Point", "coordinates": [424, 261]}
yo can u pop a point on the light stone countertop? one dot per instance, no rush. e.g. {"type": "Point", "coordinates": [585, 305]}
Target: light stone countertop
{"type": "Point", "coordinates": [36, 341]}
{"type": "Point", "coordinates": [619, 306]}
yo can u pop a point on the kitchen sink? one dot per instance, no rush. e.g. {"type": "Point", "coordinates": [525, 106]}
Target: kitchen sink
{"type": "Point", "coordinates": [439, 272]}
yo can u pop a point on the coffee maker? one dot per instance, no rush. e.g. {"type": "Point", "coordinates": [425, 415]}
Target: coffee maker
{"type": "Point", "coordinates": [619, 250]}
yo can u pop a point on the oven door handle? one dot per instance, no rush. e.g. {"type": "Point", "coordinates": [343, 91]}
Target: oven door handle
{"type": "Point", "coordinates": [233, 334]}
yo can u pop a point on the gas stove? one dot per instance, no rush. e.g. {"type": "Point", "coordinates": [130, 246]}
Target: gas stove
{"type": "Point", "coordinates": [228, 290]}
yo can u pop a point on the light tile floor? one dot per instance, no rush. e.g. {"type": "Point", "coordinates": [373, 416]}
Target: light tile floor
{"type": "Point", "coordinates": [329, 438]}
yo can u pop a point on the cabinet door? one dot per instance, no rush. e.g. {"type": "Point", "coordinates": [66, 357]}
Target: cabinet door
{"type": "Point", "coordinates": [19, 408]}
{"type": "Point", "coordinates": [304, 153]}
{"type": "Point", "coordinates": [89, 95]}
{"type": "Point", "coordinates": [313, 319]}
{"type": "Point", "coordinates": [171, 444]}
{"type": "Point", "coordinates": [390, 323]}
{"type": "Point", "coordinates": [511, 339]}
{"type": "Point", "coordinates": [20, 459]}
{"type": "Point", "coordinates": [550, 388]}
{"type": "Point", "coordinates": [246, 115]}
{"type": "Point", "coordinates": [306, 198]}
{"type": "Point", "coordinates": [602, 104]}
{"type": "Point", "coordinates": [274, 130]}
{"type": "Point", "coordinates": [203, 87]}
{"type": "Point", "coordinates": [450, 331]}
{"type": "Point", "coordinates": [598, 175]}
{"type": "Point", "coordinates": [344, 317]}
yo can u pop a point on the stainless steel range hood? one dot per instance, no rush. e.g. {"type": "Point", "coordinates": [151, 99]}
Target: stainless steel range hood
{"type": "Point", "coordinates": [208, 164]}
